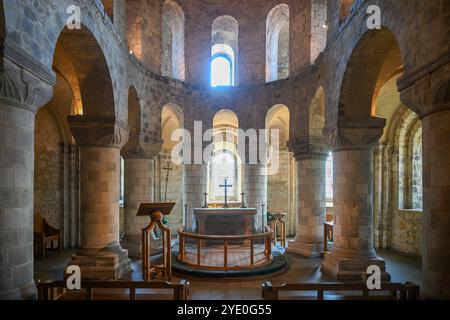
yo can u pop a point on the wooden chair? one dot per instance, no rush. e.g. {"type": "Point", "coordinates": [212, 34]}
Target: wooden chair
{"type": "Point", "coordinates": [45, 234]}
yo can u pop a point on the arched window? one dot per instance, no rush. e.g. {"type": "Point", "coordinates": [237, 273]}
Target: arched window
{"type": "Point", "coordinates": [223, 165]}
{"type": "Point", "coordinates": [410, 162]}
{"type": "Point", "coordinates": [329, 180]}
{"type": "Point", "coordinates": [224, 51]}
{"type": "Point", "coordinates": [277, 43]}
{"type": "Point", "coordinates": [173, 64]}
{"type": "Point", "coordinates": [224, 162]}
{"type": "Point", "coordinates": [122, 182]}
{"type": "Point", "coordinates": [417, 184]}
{"type": "Point", "coordinates": [221, 71]}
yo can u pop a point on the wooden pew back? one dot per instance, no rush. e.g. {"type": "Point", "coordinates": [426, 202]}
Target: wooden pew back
{"type": "Point", "coordinates": [180, 290]}
{"type": "Point", "coordinates": [397, 291]}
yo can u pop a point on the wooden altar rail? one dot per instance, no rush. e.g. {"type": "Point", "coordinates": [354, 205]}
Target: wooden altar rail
{"type": "Point", "coordinates": [397, 291]}
{"type": "Point", "coordinates": [266, 236]}
{"type": "Point", "coordinates": [180, 289]}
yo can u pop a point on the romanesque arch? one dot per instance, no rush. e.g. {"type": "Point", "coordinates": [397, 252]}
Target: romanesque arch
{"type": "Point", "coordinates": [173, 64]}
{"type": "Point", "coordinates": [375, 59]}
{"type": "Point", "coordinates": [225, 49]}
{"type": "Point", "coordinates": [281, 183]}
{"type": "Point", "coordinates": [277, 43]}
{"type": "Point", "coordinates": [170, 181]}
{"type": "Point", "coordinates": [91, 69]}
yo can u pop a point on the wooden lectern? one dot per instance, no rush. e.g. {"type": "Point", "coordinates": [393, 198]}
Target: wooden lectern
{"type": "Point", "coordinates": [156, 211]}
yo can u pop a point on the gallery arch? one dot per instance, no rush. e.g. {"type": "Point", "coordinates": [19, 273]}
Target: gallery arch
{"type": "Point", "coordinates": [277, 43]}
{"type": "Point", "coordinates": [170, 177]}
{"type": "Point", "coordinates": [99, 161]}
{"type": "Point", "coordinates": [281, 182]}
{"type": "Point", "coordinates": [354, 157]}
{"type": "Point", "coordinates": [224, 51]}
{"type": "Point", "coordinates": [173, 21]}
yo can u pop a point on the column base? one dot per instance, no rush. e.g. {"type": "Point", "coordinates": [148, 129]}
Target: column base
{"type": "Point", "coordinates": [29, 292]}
{"type": "Point", "coordinates": [309, 250]}
{"type": "Point", "coordinates": [104, 264]}
{"type": "Point", "coordinates": [351, 268]}
{"type": "Point", "coordinates": [134, 246]}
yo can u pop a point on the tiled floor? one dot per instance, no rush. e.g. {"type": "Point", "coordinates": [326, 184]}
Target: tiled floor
{"type": "Point", "coordinates": [401, 267]}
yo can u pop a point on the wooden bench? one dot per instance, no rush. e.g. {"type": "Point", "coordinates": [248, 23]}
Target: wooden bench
{"type": "Point", "coordinates": [46, 290]}
{"type": "Point", "coordinates": [45, 234]}
{"type": "Point", "coordinates": [358, 291]}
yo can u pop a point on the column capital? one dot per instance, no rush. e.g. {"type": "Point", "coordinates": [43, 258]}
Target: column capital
{"type": "Point", "coordinates": [355, 133]}
{"type": "Point", "coordinates": [427, 90]}
{"type": "Point", "coordinates": [139, 148]}
{"type": "Point", "coordinates": [21, 86]}
{"type": "Point", "coordinates": [305, 149]}
{"type": "Point", "coordinates": [101, 131]}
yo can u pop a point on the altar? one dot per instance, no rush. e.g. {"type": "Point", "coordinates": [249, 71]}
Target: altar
{"type": "Point", "coordinates": [225, 221]}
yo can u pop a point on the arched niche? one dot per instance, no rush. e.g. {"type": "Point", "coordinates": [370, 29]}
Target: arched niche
{"type": "Point", "coordinates": [171, 120]}
{"type": "Point", "coordinates": [278, 118]}
{"type": "Point", "coordinates": [173, 26]}
{"type": "Point", "coordinates": [225, 43]}
{"type": "Point", "coordinates": [225, 162]}
{"type": "Point", "coordinates": [277, 43]}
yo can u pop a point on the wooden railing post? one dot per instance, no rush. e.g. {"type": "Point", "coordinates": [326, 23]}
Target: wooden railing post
{"type": "Point", "coordinates": [199, 251]}
{"type": "Point", "coordinates": [225, 253]}
{"type": "Point", "coordinates": [182, 243]}
{"type": "Point", "coordinates": [169, 256]}
{"type": "Point", "coordinates": [144, 254]}
{"type": "Point", "coordinates": [252, 253]}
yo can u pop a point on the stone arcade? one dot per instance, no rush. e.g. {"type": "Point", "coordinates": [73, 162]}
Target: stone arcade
{"type": "Point", "coordinates": [89, 119]}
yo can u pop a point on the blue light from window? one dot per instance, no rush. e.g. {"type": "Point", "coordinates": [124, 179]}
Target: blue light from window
{"type": "Point", "coordinates": [221, 72]}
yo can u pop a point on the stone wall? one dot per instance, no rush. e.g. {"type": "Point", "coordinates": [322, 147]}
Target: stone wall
{"type": "Point", "coordinates": [397, 177]}
{"type": "Point", "coordinates": [281, 193]}
{"type": "Point", "coordinates": [407, 231]}
{"type": "Point", "coordinates": [48, 172]}
{"type": "Point", "coordinates": [144, 31]}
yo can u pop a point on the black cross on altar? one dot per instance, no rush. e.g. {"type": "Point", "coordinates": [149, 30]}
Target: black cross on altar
{"type": "Point", "coordinates": [226, 186]}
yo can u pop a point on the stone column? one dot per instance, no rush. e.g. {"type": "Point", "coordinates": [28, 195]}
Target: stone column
{"type": "Point", "coordinates": [429, 96]}
{"type": "Point", "coordinates": [195, 184]}
{"type": "Point", "coordinates": [436, 211]}
{"type": "Point", "coordinates": [21, 94]}
{"type": "Point", "coordinates": [100, 139]}
{"type": "Point", "coordinates": [311, 205]}
{"type": "Point", "coordinates": [139, 188]}
{"type": "Point", "coordinates": [353, 141]}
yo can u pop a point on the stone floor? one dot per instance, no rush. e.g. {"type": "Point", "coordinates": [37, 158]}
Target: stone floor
{"type": "Point", "coordinates": [402, 268]}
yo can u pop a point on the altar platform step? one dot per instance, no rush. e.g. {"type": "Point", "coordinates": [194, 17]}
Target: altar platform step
{"type": "Point", "coordinates": [237, 256]}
